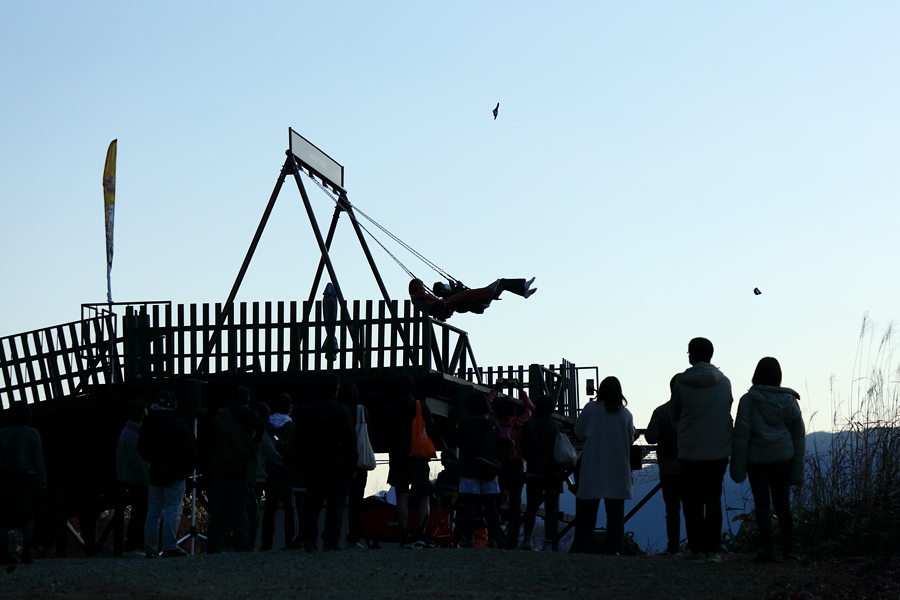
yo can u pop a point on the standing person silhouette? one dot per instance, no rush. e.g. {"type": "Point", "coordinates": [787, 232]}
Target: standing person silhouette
{"type": "Point", "coordinates": [607, 429]}
{"type": "Point", "coordinates": [233, 435]}
{"type": "Point", "coordinates": [477, 436]}
{"type": "Point", "coordinates": [167, 444]}
{"type": "Point", "coordinates": [701, 405]}
{"type": "Point", "coordinates": [663, 432]}
{"type": "Point", "coordinates": [22, 479]}
{"type": "Point", "coordinates": [512, 473]}
{"type": "Point", "coordinates": [769, 448]}
{"type": "Point", "coordinates": [543, 477]}
{"type": "Point", "coordinates": [133, 477]}
{"type": "Point", "coordinates": [326, 445]}
{"type": "Point", "coordinates": [409, 475]}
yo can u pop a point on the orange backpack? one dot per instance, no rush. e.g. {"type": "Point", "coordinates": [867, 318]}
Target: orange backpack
{"type": "Point", "coordinates": [421, 446]}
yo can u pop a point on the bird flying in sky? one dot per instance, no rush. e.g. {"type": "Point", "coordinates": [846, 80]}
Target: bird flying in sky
{"type": "Point", "coordinates": [756, 291]}
{"type": "Point", "coordinates": [496, 110]}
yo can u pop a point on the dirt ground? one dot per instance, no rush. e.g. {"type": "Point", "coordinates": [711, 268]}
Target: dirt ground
{"type": "Point", "coordinates": [445, 573]}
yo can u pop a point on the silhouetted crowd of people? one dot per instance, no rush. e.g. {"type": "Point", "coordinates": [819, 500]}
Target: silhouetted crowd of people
{"type": "Point", "coordinates": [303, 457]}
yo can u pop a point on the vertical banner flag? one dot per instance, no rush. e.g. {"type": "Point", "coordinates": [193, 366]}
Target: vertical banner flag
{"type": "Point", "coordinates": [109, 205]}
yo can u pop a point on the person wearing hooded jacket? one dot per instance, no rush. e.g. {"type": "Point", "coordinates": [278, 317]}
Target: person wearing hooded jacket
{"type": "Point", "coordinates": [769, 448]}
{"type": "Point", "coordinates": [701, 406]}
{"type": "Point", "coordinates": [278, 491]}
{"type": "Point", "coordinates": [167, 444]}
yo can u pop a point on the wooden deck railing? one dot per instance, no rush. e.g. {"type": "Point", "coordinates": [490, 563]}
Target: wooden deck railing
{"type": "Point", "coordinates": [157, 339]}
{"type": "Point", "coordinates": [55, 361]}
{"type": "Point", "coordinates": [273, 338]}
{"type": "Point", "coordinates": [558, 381]}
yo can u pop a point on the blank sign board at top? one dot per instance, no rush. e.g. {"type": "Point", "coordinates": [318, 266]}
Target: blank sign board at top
{"type": "Point", "coordinates": [315, 159]}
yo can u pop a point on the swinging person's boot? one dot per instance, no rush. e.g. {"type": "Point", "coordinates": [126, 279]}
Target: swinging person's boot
{"type": "Point", "coordinates": [519, 287]}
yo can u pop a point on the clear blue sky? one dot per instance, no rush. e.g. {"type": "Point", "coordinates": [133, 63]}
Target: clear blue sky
{"type": "Point", "coordinates": [652, 163]}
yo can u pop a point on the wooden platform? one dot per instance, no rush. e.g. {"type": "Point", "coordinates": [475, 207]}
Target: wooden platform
{"type": "Point", "coordinates": [79, 377]}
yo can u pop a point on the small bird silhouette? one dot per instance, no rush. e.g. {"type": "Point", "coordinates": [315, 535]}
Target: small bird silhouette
{"type": "Point", "coordinates": [496, 110]}
{"type": "Point", "coordinates": [756, 291]}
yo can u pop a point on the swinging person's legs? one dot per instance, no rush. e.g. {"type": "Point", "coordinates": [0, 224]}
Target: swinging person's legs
{"type": "Point", "coordinates": [520, 287]}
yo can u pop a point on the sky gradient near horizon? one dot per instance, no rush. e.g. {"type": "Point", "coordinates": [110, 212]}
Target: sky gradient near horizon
{"type": "Point", "coordinates": [652, 163]}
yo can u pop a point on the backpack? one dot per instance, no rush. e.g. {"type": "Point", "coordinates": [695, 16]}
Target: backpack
{"type": "Point", "coordinates": [421, 445]}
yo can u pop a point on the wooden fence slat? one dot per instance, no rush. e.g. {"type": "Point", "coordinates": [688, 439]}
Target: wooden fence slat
{"type": "Point", "coordinates": [409, 357]}
{"type": "Point", "coordinates": [219, 351]}
{"type": "Point", "coordinates": [66, 355]}
{"type": "Point", "coordinates": [304, 338]}
{"type": "Point", "coordinates": [180, 340]}
{"type": "Point", "coordinates": [40, 359]}
{"type": "Point", "coordinates": [157, 350]}
{"type": "Point", "coordinates": [296, 339]}
{"type": "Point", "coordinates": [53, 365]}
{"type": "Point", "coordinates": [395, 323]}
{"type": "Point", "coordinates": [76, 357]}
{"type": "Point", "coordinates": [168, 338]}
{"type": "Point", "coordinates": [367, 336]}
{"type": "Point", "coordinates": [16, 363]}
{"type": "Point", "coordinates": [240, 337]}
{"type": "Point", "coordinates": [280, 360]}
{"type": "Point", "coordinates": [268, 337]}
{"type": "Point", "coordinates": [195, 351]}
{"type": "Point", "coordinates": [97, 351]}
{"type": "Point", "coordinates": [382, 307]}
{"type": "Point", "coordinates": [7, 378]}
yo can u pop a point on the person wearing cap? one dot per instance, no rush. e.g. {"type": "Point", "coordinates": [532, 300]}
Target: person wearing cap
{"type": "Point", "coordinates": [166, 443]}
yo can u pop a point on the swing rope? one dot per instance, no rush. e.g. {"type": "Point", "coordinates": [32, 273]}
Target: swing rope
{"type": "Point", "coordinates": [409, 248]}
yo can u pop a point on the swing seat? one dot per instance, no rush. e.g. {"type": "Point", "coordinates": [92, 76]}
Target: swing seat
{"type": "Point", "coordinates": [470, 307]}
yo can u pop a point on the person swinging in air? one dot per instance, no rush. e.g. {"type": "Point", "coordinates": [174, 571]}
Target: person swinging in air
{"type": "Point", "coordinates": [442, 300]}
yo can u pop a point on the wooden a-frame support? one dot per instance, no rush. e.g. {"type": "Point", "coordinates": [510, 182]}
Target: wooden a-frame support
{"type": "Point", "coordinates": [291, 167]}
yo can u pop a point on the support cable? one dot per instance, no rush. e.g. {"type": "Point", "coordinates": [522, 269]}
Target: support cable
{"type": "Point", "coordinates": [409, 248]}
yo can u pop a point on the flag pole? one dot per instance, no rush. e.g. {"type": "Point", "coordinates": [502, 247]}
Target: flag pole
{"type": "Point", "coordinates": [109, 211]}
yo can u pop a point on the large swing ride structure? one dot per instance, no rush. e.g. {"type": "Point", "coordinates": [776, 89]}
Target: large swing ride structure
{"type": "Point", "coordinates": [79, 377]}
